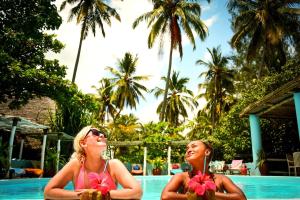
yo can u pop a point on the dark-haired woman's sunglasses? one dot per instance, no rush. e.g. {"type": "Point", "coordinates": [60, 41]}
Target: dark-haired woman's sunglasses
{"type": "Point", "coordinates": [95, 132]}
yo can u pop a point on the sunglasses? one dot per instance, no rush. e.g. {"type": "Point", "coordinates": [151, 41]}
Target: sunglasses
{"type": "Point", "coordinates": [95, 132]}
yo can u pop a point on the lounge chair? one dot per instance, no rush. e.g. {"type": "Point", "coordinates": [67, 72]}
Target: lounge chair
{"type": "Point", "coordinates": [290, 162]}
{"type": "Point", "coordinates": [296, 156]}
{"type": "Point", "coordinates": [235, 167]}
{"type": "Point", "coordinates": [137, 169]}
{"type": "Point", "coordinates": [28, 168]}
{"type": "Point", "coordinates": [217, 166]}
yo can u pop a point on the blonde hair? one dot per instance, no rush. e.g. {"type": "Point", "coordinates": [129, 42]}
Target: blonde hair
{"type": "Point", "coordinates": [79, 152]}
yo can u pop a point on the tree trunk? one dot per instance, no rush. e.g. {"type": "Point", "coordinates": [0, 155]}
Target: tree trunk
{"type": "Point", "coordinates": [78, 52]}
{"type": "Point", "coordinates": [163, 116]}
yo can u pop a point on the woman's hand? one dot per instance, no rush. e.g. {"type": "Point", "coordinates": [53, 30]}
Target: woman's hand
{"type": "Point", "coordinates": [90, 194]}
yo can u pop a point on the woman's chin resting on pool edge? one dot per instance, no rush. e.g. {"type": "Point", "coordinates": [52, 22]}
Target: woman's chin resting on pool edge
{"type": "Point", "coordinates": [88, 170]}
{"type": "Point", "coordinates": [199, 154]}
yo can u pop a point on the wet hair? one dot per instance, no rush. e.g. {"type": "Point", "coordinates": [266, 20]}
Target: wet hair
{"type": "Point", "coordinates": [208, 146]}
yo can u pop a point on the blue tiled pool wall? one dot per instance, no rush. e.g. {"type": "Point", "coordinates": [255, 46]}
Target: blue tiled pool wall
{"type": "Point", "coordinates": [269, 187]}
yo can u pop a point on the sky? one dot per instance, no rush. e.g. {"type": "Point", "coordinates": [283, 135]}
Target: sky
{"type": "Point", "coordinates": [99, 52]}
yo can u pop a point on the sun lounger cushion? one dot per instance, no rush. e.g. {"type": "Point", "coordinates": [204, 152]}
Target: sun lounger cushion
{"type": "Point", "coordinates": [33, 171]}
{"type": "Point", "coordinates": [175, 166]}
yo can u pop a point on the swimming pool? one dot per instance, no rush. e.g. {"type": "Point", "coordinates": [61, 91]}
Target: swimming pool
{"type": "Point", "coordinates": [255, 187]}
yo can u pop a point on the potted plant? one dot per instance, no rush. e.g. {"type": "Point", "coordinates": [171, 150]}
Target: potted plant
{"type": "Point", "coordinates": [262, 162]}
{"type": "Point", "coordinates": [158, 164]}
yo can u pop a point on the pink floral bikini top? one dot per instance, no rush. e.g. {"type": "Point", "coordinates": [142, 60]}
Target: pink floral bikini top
{"type": "Point", "coordinates": [100, 181]}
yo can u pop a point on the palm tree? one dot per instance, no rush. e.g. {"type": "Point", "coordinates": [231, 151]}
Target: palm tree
{"type": "Point", "coordinates": [200, 126]}
{"type": "Point", "coordinates": [128, 89]}
{"type": "Point", "coordinates": [126, 127]}
{"type": "Point", "coordinates": [172, 17]}
{"type": "Point", "coordinates": [266, 25]}
{"type": "Point", "coordinates": [178, 98]}
{"type": "Point", "coordinates": [107, 107]}
{"type": "Point", "coordinates": [90, 13]}
{"type": "Point", "coordinates": [218, 82]}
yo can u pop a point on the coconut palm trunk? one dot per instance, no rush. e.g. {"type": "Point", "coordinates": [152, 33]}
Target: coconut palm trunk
{"type": "Point", "coordinates": [79, 51]}
{"type": "Point", "coordinates": [163, 116]}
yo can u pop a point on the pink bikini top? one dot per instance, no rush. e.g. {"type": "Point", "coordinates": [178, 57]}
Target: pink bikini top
{"type": "Point", "coordinates": [94, 179]}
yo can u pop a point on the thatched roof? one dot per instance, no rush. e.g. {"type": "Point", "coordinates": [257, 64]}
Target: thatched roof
{"type": "Point", "coordinates": [23, 125]}
{"type": "Point", "coordinates": [277, 104]}
{"type": "Point", "coordinates": [36, 110]}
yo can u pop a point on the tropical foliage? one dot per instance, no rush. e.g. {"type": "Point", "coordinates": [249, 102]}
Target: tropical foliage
{"type": "Point", "coordinates": [127, 87]}
{"type": "Point", "coordinates": [89, 13]}
{"type": "Point", "coordinates": [179, 97]}
{"type": "Point", "coordinates": [267, 26]}
{"type": "Point", "coordinates": [266, 40]}
{"type": "Point", "coordinates": [25, 72]}
{"type": "Point", "coordinates": [69, 117]}
{"type": "Point", "coordinates": [107, 108]}
{"type": "Point", "coordinates": [173, 17]}
{"type": "Point", "coordinates": [218, 84]}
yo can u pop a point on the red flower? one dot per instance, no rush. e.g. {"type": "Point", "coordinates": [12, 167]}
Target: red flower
{"type": "Point", "coordinates": [97, 182]}
{"type": "Point", "coordinates": [201, 183]}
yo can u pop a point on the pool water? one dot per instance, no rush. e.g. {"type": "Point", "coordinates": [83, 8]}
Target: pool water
{"type": "Point", "coordinates": [255, 187]}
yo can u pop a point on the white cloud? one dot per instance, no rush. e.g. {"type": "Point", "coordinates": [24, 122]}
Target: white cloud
{"type": "Point", "coordinates": [211, 21]}
{"type": "Point", "coordinates": [205, 8]}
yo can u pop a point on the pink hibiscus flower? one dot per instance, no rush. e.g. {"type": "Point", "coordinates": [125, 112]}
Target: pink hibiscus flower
{"type": "Point", "coordinates": [201, 183]}
{"type": "Point", "coordinates": [97, 182]}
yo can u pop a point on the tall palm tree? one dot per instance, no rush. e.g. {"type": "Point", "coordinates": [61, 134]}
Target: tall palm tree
{"type": "Point", "coordinates": [266, 25]}
{"type": "Point", "coordinates": [128, 89]}
{"type": "Point", "coordinates": [179, 97]}
{"type": "Point", "coordinates": [107, 107]}
{"type": "Point", "coordinates": [218, 82]}
{"type": "Point", "coordinates": [89, 13]}
{"type": "Point", "coordinates": [173, 17]}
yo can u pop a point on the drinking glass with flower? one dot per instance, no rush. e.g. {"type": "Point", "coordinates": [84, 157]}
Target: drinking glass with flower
{"type": "Point", "coordinates": [201, 187]}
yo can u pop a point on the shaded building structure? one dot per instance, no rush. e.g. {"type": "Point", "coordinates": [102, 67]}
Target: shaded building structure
{"type": "Point", "coordinates": [29, 126]}
{"type": "Point", "coordinates": [282, 103]}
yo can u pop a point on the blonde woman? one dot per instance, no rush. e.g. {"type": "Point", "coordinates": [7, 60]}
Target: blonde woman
{"type": "Point", "coordinates": [90, 173]}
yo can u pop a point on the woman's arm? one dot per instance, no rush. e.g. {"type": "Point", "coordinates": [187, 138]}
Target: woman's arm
{"type": "Point", "coordinates": [55, 188]}
{"type": "Point", "coordinates": [170, 191]}
{"type": "Point", "coordinates": [131, 188]}
{"type": "Point", "coordinates": [233, 192]}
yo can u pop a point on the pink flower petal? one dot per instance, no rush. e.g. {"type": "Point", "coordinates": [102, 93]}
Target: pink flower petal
{"type": "Point", "coordinates": [200, 190]}
{"type": "Point", "coordinates": [94, 180]}
{"type": "Point", "coordinates": [210, 185]}
{"type": "Point", "coordinates": [201, 183]}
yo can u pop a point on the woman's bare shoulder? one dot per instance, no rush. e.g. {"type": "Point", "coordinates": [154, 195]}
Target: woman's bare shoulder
{"type": "Point", "coordinates": [180, 176]}
{"type": "Point", "coordinates": [74, 163]}
{"type": "Point", "coordinates": [221, 178]}
{"type": "Point", "coordinates": [115, 162]}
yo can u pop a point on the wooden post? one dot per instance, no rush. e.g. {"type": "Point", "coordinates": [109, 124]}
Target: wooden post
{"type": "Point", "coordinates": [11, 139]}
{"type": "Point", "coordinates": [21, 149]}
{"type": "Point", "coordinates": [169, 159]}
{"type": "Point", "coordinates": [145, 161]}
{"type": "Point", "coordinates": [44, 148]}
{"type": "Point", "coordinates": [58, 154]}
